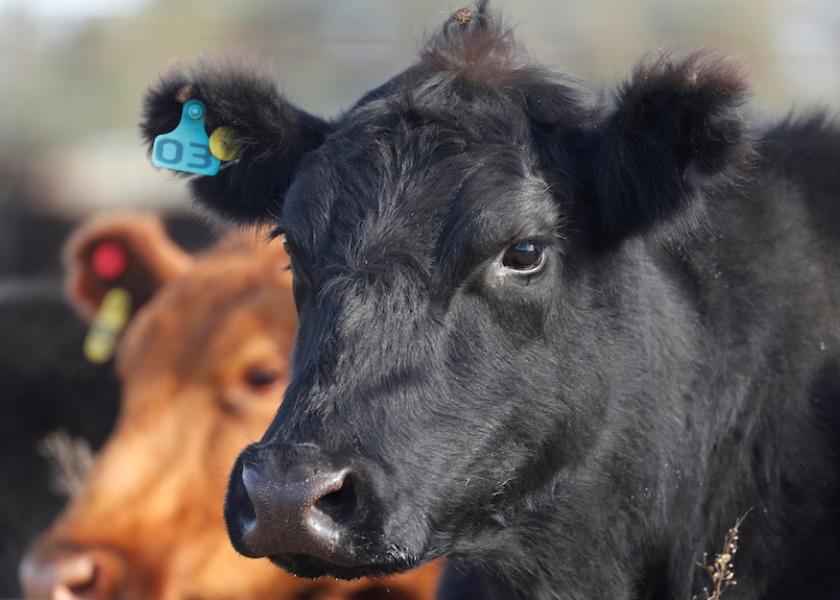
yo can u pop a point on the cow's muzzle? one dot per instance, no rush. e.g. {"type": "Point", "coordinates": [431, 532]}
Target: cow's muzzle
{"type": "Point", "coordinates": [299, 508]}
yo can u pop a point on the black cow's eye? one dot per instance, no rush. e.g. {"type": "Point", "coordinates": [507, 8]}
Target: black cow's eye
{"type": "Point", "coordinates": [523, 256]}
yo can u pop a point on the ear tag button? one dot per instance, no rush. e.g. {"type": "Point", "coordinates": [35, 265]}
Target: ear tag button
{"type": "Point", "coordinates": [109, 260]}
{"type": "Point", "coordinates": [187, 147]}
{"type": "Point", "coordinates": [107, 325]}
{"type": "Point", "coordinates": [223, 144]}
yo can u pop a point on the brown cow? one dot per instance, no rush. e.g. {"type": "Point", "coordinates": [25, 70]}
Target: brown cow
{"type": "Point", "coordinates": [203, 365]}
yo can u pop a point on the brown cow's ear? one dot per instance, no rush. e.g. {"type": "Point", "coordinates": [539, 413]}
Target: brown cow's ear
{"type": "Point", "coordinates": [271, 134]}
{"type": "Point", "coordinates": [132, 252]}
{"type": "Point", "coordinates": [674, 133]}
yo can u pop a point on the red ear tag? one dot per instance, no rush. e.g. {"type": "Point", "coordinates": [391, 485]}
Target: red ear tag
{"type": "Point", "coordinates": [109, 260]}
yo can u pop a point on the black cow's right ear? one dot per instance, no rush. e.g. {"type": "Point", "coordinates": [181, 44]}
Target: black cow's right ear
{"type": "Point", "coordinates": [674, 134]}
{"type": "Point", "coordinates": [271, 134]}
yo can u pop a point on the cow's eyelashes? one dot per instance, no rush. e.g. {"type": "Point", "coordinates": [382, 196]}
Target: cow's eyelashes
{"type": "Point", "coordinates": [286, 245]}
{"type": "Point", "coordinates": [524, 256]}
{"type": "Point", "coordinates": [302, 269]}
{"type": "Point", "coordinates": [289, 248]}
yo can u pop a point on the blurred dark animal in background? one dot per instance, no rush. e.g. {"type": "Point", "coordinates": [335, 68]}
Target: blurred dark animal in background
{"type": "Point", "coordinates": [566, 344]}
{"type": "Point", "coordinates": [46, 385]}
{"type": "Point", "coordinates": [203, 365]}
{"type": "Point", "coordinates": [31, 238]}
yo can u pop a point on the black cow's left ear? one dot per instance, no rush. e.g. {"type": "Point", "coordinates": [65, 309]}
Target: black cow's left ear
{"type": "Point", "coordinates": [270, 134]}
{"type": "Point", "coordinates": [674, 133]}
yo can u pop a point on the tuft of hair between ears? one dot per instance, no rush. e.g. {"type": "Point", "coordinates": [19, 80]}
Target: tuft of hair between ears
{"type": "Point", "coordinates": [476, 43]}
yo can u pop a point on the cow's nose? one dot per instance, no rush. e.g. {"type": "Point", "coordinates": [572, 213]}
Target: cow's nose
{"type": "Point", "coordinates": [306, 513]}
{"type": "Point", "coordinates": [63, 574]}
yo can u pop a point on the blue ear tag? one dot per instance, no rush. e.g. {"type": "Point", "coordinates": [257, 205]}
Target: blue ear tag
{"type": "Point", "coordinates": [187, 147]}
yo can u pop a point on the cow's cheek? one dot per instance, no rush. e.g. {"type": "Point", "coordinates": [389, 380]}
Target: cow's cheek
{"type": "Point", "coordinates": [208, 566]}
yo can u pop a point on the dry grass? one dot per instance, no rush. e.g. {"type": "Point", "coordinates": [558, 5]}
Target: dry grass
{"type": "Point", "coordinates": [721, 570]}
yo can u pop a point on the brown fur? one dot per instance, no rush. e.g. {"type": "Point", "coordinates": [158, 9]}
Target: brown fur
{"type": "Point", "coordinates": [151, 510]}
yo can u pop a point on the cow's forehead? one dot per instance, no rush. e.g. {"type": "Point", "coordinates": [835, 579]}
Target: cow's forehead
{"type": "Point", "coordinates": [394, 169]}
{"type": "Point", "coordinates": [402, 152]}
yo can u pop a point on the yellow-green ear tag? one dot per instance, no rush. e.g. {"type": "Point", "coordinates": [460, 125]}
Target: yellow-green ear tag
{"type": "Point", "coordinates": [106, 327]}
{"type": "Point", "coordinates": [223, 144]}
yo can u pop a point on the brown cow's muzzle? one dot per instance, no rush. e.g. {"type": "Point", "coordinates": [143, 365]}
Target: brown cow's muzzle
{"type": "Point", "coordinates": [65, 573]}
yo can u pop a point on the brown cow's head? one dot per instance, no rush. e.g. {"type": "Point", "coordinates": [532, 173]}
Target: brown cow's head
{"type": "Point", "coordinates": [203, 364]}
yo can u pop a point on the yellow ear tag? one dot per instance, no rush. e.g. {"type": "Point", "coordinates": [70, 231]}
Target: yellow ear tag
{"type": "Point", "coordinates": [107, 325]}
{"type": "Point", "coordinates": [223, 145]}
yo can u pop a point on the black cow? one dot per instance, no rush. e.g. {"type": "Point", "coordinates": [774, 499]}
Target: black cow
{"type": "Point", "coordinates": [565, 345]}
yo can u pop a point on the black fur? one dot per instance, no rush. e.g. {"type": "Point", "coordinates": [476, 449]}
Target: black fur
{"type": "Point", "coordinates": [673, 135]}
{"type": "Point", "coordinates": [591, 430]}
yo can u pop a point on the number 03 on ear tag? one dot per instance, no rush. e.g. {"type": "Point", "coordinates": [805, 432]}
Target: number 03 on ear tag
{"type": "Point", "coordinates": [187, 147]}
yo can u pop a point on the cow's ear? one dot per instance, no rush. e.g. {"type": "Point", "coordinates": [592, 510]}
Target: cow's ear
{"type": "Point", "coordinates": [132, 252]}
{"type": "Point", "coordinates": [271, 135]}
{"type": "Point", "coordinates": [674, 134]}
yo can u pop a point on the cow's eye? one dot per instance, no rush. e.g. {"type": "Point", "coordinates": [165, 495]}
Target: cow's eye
{"type": "Point", "coordinates": [259, 378]}
{"type": "Point", "coordinates": [524, 256]}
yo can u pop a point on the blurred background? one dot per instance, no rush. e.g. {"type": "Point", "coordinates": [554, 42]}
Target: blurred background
{"type": "Point", "coordinates": [72, 74]}
{"type": "Point", "coordinates": [73, 71]}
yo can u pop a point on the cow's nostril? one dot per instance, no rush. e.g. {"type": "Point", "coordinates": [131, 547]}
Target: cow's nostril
{"type": "Point", "coordinates": [247, 511]}
{"type": "Point", "coordinates": [340, 504]}
{"type": "Point", "coordinates": [71, 574]}
{"type": "Point", "coordinates": [252, 512]}
{"type": "Point", "coordinates": [65, 575]}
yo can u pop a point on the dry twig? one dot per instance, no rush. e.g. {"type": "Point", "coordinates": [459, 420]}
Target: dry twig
{"type": "Point", "coordinates": [721, 570]}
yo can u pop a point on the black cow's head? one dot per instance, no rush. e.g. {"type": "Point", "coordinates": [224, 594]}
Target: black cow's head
{"type": "Point", "coordinates": [459, 242]}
